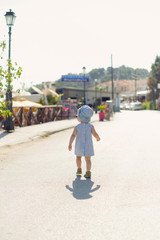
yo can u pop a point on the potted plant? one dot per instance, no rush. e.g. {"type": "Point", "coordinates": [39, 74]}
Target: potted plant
{"type": "Point", "coordinates": [101, 113]}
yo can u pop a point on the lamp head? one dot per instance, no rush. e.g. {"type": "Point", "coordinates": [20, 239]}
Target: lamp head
{"type": "Point", "coordinates": [84, 70]}
{"type": "Point", "coordinates": [10, 18]}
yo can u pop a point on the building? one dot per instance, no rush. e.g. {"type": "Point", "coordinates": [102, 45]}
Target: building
{"type": "Point", "coordinates": [128, 89]}
{"type": "Point", "coordinates": [78, 94]}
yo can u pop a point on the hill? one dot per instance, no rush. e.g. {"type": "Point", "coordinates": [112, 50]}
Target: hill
{"type": "Point", "coordinates": [104, 75]}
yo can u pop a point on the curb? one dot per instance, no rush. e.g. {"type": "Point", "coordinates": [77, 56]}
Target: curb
{"type": "Point", "coordinates": [48, 133]}
{"type": "Point", "coordinates": [43, 134]}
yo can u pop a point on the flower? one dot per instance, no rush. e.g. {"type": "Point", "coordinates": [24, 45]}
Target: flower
{"type": "Point", "coordinates": [101, 108]}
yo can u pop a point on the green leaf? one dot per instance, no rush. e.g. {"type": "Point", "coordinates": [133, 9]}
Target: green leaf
{"type": "Point", "coordinates": [18, 91]}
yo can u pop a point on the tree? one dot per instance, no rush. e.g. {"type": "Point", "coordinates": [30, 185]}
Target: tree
{"type": "Point", "coordinates": [7, 75]}
{"type": "Point", "coordinates": [52, 100]}
{"type": "Point", "coordinates": [97, 73]}
{"type": "Point", "coordinates": [154, 79]}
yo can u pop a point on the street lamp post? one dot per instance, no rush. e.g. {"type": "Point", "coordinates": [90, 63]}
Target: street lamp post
{"type": "Point", "coordinates": [9, 124]}
{"type": "Point", "coordinates": [100, 88]}
{"type": "Point", "coordinates": [95, 96]}
{"type": "Point", "coordinates": [84, 72]}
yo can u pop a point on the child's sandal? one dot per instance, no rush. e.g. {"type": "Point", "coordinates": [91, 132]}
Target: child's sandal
{"type": "Point", "coordinates": [88, 174]}
{"type": "Point", "coordinates": [79, 171]}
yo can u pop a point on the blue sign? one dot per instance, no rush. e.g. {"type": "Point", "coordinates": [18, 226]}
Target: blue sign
{"type": "Point", "coordinates": [75, 78]}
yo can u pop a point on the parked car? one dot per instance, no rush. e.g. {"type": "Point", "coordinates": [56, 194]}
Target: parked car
{"type": "Point", "coordinates": [128, 106]}
{"type": "Point", "coordinates": [122, 106]}
{"type": "Point", "coordinates": [136, 105]}
{"type": "Point", "coordinates": [125, 106]}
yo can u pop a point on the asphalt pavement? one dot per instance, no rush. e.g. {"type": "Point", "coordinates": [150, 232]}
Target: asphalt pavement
{"type": "Point", "coordinates": [41, 197]}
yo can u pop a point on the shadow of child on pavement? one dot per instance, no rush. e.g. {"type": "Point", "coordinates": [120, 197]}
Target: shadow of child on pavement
{"type": "Point", "coordinates": [3, 134]}
{"type": "Point", "coordinates": [82, 188]}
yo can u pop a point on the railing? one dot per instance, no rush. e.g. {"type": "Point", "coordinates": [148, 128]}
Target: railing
{"type": "Point", "coordinates": [26, 116]}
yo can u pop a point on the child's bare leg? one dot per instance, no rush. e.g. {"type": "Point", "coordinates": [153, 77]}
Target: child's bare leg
{"type": "Point", "coordinates": [78, 161]}
{"type": "Point", "coordinates": [88, 163]}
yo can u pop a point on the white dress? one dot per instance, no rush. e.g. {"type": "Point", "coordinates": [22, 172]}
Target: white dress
{"type": "Point", "coordinates": [84, 144]}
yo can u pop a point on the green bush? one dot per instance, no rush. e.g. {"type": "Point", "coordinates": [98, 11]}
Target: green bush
{"type": "Point", "coordinates": [52, 100]}
{"type": "Point", "coordinates": [146, 105]}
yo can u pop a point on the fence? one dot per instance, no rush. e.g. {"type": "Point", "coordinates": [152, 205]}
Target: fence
{"type": "Point", "coordinates": [26, 116]}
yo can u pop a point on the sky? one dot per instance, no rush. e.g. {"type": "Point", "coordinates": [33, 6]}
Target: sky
{"type": "Point", "coordinates": [55, 37]}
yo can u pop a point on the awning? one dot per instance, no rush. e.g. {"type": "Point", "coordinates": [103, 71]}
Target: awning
{"type": "Point", "coordinates": [25, 103]}
{"type": "Point", "coordinates": [145, 92]}
{"type": "Point", "coordinates": [53, 93]}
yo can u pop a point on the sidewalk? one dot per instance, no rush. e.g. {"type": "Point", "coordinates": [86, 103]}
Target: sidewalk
{"type": "Point", "coordinates": [26, 134]}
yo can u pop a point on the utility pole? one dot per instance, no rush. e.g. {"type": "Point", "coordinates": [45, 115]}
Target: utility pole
{"type": "Point", "coordinates": [135, 86]}
{"type": "Point", "coordinates": [135, 83]}
{"type": "Point", "coordinates": [117, 94]}
{"type": "Point", "coordinates": [113, 107]}
{"type": "Point", "coordinates": [112, 79]}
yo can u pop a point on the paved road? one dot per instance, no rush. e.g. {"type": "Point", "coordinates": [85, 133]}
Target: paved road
{"type": "Point", "coordinates": [42, 199]}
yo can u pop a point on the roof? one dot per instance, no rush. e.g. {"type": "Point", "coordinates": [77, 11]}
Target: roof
{"type": "Point", "coordinates": [37, 90]}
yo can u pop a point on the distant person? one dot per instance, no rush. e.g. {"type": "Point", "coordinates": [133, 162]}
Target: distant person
{"type": "Point", "coordinates": [84, 145]}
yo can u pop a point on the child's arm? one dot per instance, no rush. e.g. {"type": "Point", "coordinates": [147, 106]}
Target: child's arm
{"type": "Point", "coordinates": [95, 134]}
{"type": "Point", "coordinates": [72, 139]}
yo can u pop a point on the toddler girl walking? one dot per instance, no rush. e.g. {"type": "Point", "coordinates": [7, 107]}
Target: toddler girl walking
{"type": "Point", "coordinates": [83, 133]}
